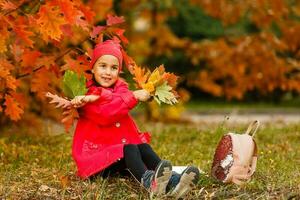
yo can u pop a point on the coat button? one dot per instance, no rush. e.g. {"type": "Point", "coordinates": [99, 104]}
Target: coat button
{"type": "Point", "coordinates": [118, 124]}
{"type": "Point", "coordinates": [124, 140]}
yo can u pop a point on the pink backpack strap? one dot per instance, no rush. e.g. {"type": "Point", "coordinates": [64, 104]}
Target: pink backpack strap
{"type": "Point", "coordinates": [254, 160]}
{"type": "Point", "coordinates": [252, 128]}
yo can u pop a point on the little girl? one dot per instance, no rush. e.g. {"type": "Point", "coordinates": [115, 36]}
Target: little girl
{"type": "Point", "coordinates": [106, 139]}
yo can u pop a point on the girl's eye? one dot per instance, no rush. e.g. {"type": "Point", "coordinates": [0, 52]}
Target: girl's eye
{"type": "Point", "coordinates": [115, 68]}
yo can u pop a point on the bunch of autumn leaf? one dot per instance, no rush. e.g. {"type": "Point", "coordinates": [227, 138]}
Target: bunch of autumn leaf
{"type": "Point", "coordinates": [160, 84]}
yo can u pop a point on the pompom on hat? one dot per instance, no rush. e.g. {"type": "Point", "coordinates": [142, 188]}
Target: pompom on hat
{"type": "Point", "coordinates": [108, 47]}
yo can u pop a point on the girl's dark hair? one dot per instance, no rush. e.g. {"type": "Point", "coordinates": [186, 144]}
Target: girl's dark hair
{"type": "Point", "coordinates": [95, 83]}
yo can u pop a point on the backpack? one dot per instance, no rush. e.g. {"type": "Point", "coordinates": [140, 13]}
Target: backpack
{"type": "Point", "coordinates": [236, 156]}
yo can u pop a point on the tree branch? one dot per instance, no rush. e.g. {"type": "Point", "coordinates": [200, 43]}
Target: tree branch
{"type": "Point", "coordinates": [56, 59]}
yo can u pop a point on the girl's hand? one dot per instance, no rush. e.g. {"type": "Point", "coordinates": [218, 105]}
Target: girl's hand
{"type": "Point", "coordinates": [79, 101]}
{"type": "Point", "coordinates": [141, 95]}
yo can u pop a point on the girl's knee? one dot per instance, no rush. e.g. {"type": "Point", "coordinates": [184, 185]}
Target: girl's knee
{"type": "Point", "coordinates": [130, 148]}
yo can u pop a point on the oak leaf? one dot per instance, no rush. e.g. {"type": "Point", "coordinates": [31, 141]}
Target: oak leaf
{"type": "Point", "coordinates": [7, 5]}
{"type": "Point", "coordinates": [140, 75]}
{"type": "Point", "coordinates": [120, 33]}
{"type": "Point", "coordinates": [88, 13]}
{"type": "Point", "coordinates": [24, 34]}
{"type": "Point", "coordinates": [97, 30]}
{"type": "Point", "coordinates": [59, 101]}
{"type": "Point", "coordinates": [13, 109]}
{"type": "Point", "coordinates": [29, 58]}
{"type": "Point", "coordinates": [112, 20]}
{"type": "Point", "coordinates": [68, 9]}
{"type": "Point", "coordinates": [69, 116]}
{"type": "Point", "coordinates": [40, 82]}
{"type": "Point", "coordinates": [49, 21]}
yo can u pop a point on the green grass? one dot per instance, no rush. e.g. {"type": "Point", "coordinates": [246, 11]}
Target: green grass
{"type": "Point", "coordinates": [41, 167]}
{"type": "Point", "coordinates": [257, 107]}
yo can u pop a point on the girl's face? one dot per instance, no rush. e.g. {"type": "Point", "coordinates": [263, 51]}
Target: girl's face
{"type": "Point", "coordinates": [106, 70]}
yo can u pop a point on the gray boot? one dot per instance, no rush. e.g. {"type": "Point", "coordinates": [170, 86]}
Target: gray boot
{"type": "Point", "coordinates": [156, 181]}
{"type": "Point", "coordinates": [188, 180]}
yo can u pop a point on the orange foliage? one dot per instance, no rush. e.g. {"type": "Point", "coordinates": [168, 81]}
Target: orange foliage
{"type": "Point", "coordinates": [230, 65]}
{"type": "Point", "coordinates": [38, 41]}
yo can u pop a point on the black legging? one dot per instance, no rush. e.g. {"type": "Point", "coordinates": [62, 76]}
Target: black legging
{"type": "Point", "coordinates": [137, 159]}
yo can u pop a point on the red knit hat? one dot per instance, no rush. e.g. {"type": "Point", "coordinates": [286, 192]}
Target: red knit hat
{"type": "Point", "coordinates": [108, 47]}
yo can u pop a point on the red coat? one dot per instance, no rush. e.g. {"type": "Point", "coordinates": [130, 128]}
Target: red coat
{"type": "Point", "coordinates": [103, 128]}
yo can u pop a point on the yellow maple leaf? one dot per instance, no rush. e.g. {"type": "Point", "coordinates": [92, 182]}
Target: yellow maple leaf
{"type": "Point", "coordinates": [155, 77]}
{"type": "Point", "coordinates": [149, 87]}
{"type": "Point", "coordinates": [49, 22]}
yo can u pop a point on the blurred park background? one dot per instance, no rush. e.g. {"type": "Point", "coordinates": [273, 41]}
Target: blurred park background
{"type": "Point", "coordinates": [237, 61]}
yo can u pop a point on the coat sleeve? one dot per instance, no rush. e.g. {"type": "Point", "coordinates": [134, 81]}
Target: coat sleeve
{"type": "Point", "coordinates": [111, 106]}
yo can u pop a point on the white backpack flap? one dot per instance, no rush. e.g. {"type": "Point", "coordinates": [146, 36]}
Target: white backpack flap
{"type": "Point", "coordinates": [243, 148]}
{"type": "Point", "coordinates": [236, 156]}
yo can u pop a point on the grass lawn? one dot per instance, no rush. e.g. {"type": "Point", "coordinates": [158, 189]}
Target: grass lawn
{"type": "Point", "coordinates": [242, 107]}
{"type": "Point", "coordinates": [40, 167]}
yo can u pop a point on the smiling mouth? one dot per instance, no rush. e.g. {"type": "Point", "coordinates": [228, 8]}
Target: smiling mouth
{"type": "Point", "coordinates": [106, 79]}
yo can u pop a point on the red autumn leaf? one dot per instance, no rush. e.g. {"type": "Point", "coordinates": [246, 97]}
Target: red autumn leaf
{"type": "Point", "coordinates": [13, 109]}
{"type": "Point", "coordinates": [78, 65]}
{"type": "Point", "coordinates": [129, 62]}
{"type": "Point", "coordinates": [59, 101]}
{"type": "Point", "coordinates": [40, 82]}
{"type": "Point", "coordinates": [5, 74]}
{"type": "Point", "coordinates": [24, 35]}
{"type": "Point", "coordinates": [64, 181]}
{"type": "Point", "coordinates": [67, 30]}
{"type": "Point", "coordinates": [47, 61]}
{"type": "Point", "coordinates": [171, 79]}
{"type": "Point", "coordinates": [80, 21]}
{"type": "Point", "coordinates": [112, 20]}
{"type": "Point", "coordinates": [7, 5]}
{"type": "Point", "coordinates": [141, 75]}
{"type": "Point", "coordinates": [4, 35]}
{"type": "Point", "coordinates": [68, 9]}
{"type": "Point", "coordinates": [49, 22]}
{"type": "Point", "coordinates": [5, 67]}
{"type": "Point", "coordinates": [88, 13]}
{"type": "Point", "coordinates": [97, 30]}
{"type": "Point", "coordinates": [21, 99]}
{"type": "Point", "coordinates": [11, 82]}
{"type": "Point", "coordinates": [69, 116]}
{"type": "Point", "coordinates": [119, 32]}
{"type": "Point", "coordinates": [29, 58]}
{"type": "Point", "coordinates": [17, 51]}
